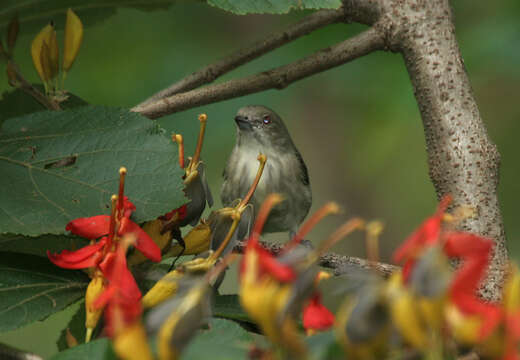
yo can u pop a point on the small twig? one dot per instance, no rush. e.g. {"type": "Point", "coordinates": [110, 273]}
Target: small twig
{"type": "Point", "coordinates": [25, 86]}
{"type": "Point", "coordinates": [334, 261]}
{"type": "Point", "coordinates": [277, 78]}
{"type": "Point", "coordinates": [211, 72]}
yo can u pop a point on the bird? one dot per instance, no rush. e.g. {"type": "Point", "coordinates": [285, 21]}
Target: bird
{"type": "Point", "coordinates": [261, 130]}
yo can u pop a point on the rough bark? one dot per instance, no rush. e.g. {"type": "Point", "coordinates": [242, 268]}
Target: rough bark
{"type": "Point", "coordinates": [340, 264]}
{"type": "Point", "coordinates": [462, 159]}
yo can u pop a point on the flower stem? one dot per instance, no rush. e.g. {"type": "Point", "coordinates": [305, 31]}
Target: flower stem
{"type": "Point", "coordinates": [112, 226]}
{"type": "Point", "coordinates": [180, 142]}
{"type": "Point", "coordinates": [121, 194]}
{"type": "Point", "coordinates": [196, 157]}
{"type": "Point", "coordinates": [263, 213]}
{"type": "Point", "coordinates": [228, 237]}
{"type": "Point", "coordinates": [242, 205]}
{"type": "Point", "coordinates": [341, 232]}
{"type": "Point", "coordinates": [325, 210]}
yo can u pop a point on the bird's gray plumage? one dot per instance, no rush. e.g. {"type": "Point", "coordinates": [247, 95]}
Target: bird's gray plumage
{"type": "Point", "coordinates": [261, 130]}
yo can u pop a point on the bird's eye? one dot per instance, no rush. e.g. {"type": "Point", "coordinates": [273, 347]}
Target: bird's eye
{"type": "Point", "coordinates": [267, 119]}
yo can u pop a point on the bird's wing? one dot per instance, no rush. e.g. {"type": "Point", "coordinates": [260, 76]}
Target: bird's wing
{"type": "Point", "coordinates": [305, 173]}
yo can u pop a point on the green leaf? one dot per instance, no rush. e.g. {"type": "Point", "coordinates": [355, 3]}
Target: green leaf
{"type": "Point", "coordinates": [272, 7]}
{"type": "Point", "coordinates": [32, 288]}
{"type": "Point", "coordinates": [58, 166]}
{"type": "Point", "coordinates": [17, 103]}
{"type": "Point", "coordinates": [76, 326]}
{"type": "Point", "coordinates": [228, 307]}
{"type": "Point", "coordinates": [323, 345]}
{"type": "Point", "coordinates": [39, 245]}
{"type": "Point", "coordinates": [224, 340]}
{"type": "Point", "coordinates": [100, 349]}
{"type": "Point", "coordinates": [34, 17]}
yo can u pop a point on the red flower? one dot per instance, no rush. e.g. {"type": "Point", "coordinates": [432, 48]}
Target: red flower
{"type": "Point", "coordinates": [472, 249]}
{"type": "Point", "coordinates": [86, 257]}
{"type": "Point", "coordinates": [316, 316]}
{"type": "Point", "coordinates": [475, 251]}
{"type": "Point", "coordinates": [122, 296]}
{"type": "Point", "coordinates": [427, 234]}
{"type": "Point", "coordinates": [180, 211]}
{"type": "Point", "coordinates": [96, 226]}
{"type": "Point", "coordinates": [267, 263]}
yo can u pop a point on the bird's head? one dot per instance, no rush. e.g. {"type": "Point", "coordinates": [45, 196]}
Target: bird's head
{"type": "Point", "coordinates": [261, 124]}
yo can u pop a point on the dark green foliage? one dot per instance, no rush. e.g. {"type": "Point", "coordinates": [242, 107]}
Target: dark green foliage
{"type": "Point", "coordinates": [64, 165]}
{"type": "Point", "coordinates": [100, 349]}
{"type": "Point", "coordinates": [222, 341]}
{"type": "Point", "coordinates": [39, 245]}
{"type": "Point", "coordinates": [228, 307]}
{"type": "Point", "coordinates": [32, 288]}
{"type": "Point", "coordinates": [33, 18]}
{"type": "Point", "coordinates": [76, 326]}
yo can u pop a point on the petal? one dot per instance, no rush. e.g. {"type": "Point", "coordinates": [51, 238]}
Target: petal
{"type": "Point", "coordinates": [180, 211]}
{"type": "Point", "coordinates": [90, 261]}
{"type": "Point", "coordinates": [115, 269]}
{"type": "Point", "coordinates": [144, 243]}
{"type": "Point", "coordinates": [128, 207]}
{"type": "Point", "coordinates": [73, 39]}
{"type": "Point", "coordinates": [80, 254]}
{"type": "Point", "coordinates": [118, 316]}
{"type": "Point", "coordinates": [90, 227]}
{"type": "Point", "coordinates": [316, 316]}
{"type": "Point", "coordinates": [427, 234]}
{"type": "Point", "coordinates": [269, 264]}
{"type": "Point", "coordinates": [460, 244]}
{"type": "Point", "coordinates": [103, 299]}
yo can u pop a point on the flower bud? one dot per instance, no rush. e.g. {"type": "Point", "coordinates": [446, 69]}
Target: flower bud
{"type": "Point", "coordinates": [163, 289]}
{"type": "Point", "coordinates": [94, 289]}
{"type": "Point", "coordinates": [132, 343]}
{"type": "Point", "coordinates": [42, 38]}
{"type": "Point", "coordinates": [73, 39]}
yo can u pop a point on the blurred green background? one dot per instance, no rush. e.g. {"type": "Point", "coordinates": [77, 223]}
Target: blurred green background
{"type": "Point", "coordinates": [357, 126]}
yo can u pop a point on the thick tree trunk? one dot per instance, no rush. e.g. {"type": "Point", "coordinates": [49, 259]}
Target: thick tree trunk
{"type": "Point", "coordinates": [462, 159]}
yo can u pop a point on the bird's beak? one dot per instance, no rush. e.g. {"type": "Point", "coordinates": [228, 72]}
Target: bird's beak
{"type": "Point", "coordinates": [242, 123]}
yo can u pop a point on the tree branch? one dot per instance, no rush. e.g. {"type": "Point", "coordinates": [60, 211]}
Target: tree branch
{"type": "Point", "coordinates": [339, 263]}
{"type": "Point", "coordinates": [16, 80]}
{"type": "Point", "coordinates": [211, 72]}
{"type": "Point", "coordinates": [462, 159]}
{"type": "Point", "coordinates": [277, 78]}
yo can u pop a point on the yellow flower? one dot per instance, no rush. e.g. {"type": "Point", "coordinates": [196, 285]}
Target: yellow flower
{"type": "Point", "coordinates": [44, 51]}
{"type": "Point", "coordinates": [132, 344]}
{"type": "Point", "coordinates": [187, 314]}
{"type": "Point", "coordinates": [94, 289]}
{"type": "Point", "coordinates": [163, 289]}
{"type": "Point", "coordinates": [73, 39]}
{"type": "Point", "coordinates": [405, 312]}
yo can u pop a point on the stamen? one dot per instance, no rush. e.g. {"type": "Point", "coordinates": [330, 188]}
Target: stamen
{"type": "Point", "coordinates": [121, 195]}
{"type": "Point", "coordinates": [325, 210]}
{"type": "Point", "coordinates": [242, 206]}
{"type": "Point", "coordinates": [202, 118]}
{"type": "Point", "coordinates": [263, 213]}
{"type": "Point", "coordinates": [112, 226]}
{"type": "Point", "coordinates": [373, 231]}
{"type": "Point", "coordinates": [221, 266]}
{"type": "Point", "coordinates": [229, 235]}
{"type": "Point", "coordinates": [340, 233]}
{"type": "Point", "coordinates": [180, 142]}
{"type": "Point", "coordinates": [444, 203]}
